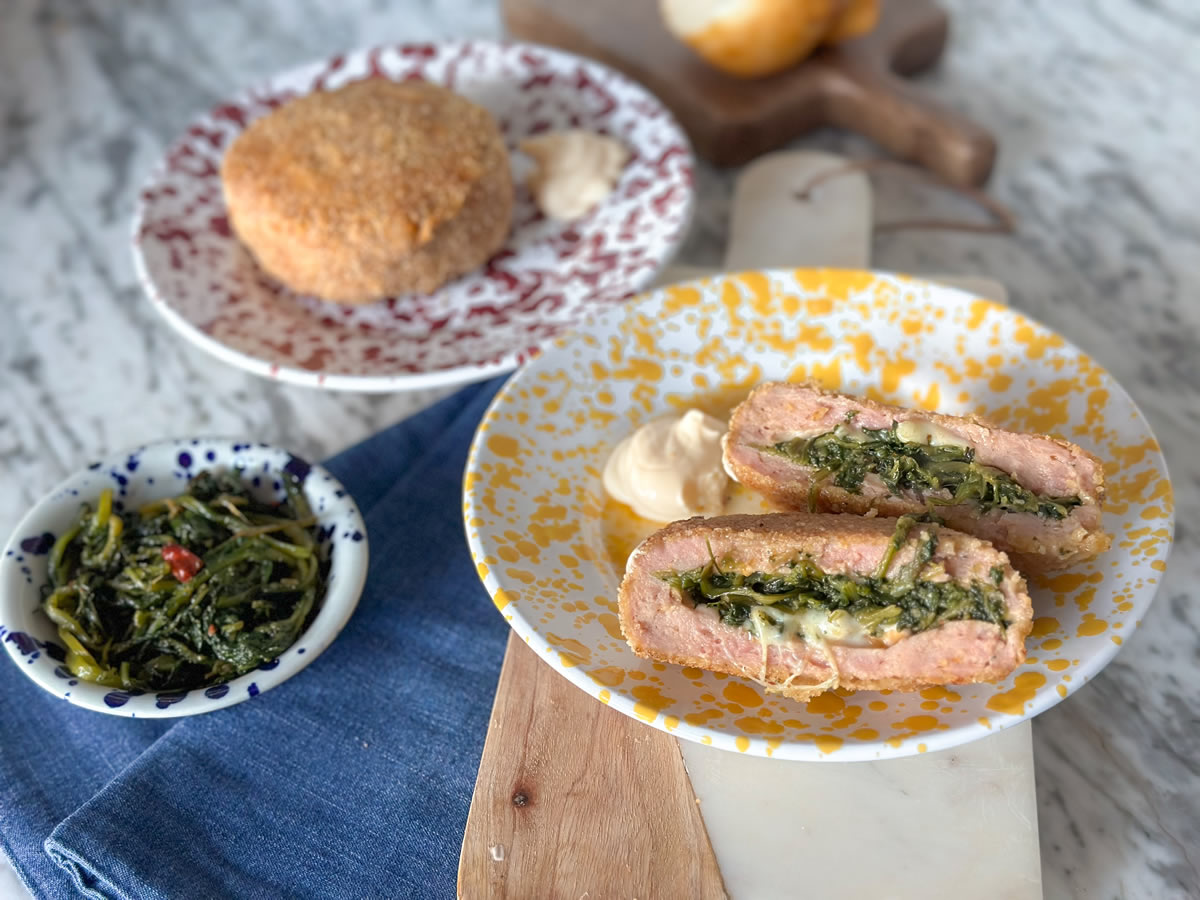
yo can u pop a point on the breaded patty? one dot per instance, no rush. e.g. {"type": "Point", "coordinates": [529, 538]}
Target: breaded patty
{"type": "Point", "coordinates": [661, 623]}
{"type": "Point", "coordinates": [375, 189]}
{"type": "Point", "coordinates": [780, 412]}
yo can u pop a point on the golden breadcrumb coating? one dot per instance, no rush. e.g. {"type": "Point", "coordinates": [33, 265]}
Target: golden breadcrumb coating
{"type": "Point", "coordinates": [374, 189]}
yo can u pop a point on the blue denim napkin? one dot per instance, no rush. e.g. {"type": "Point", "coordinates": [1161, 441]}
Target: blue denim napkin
{"type": "Point", "coordinates": [351, 779]}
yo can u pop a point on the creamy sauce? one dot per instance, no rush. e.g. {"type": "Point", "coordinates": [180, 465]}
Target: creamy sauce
{"type": "Point", "coordinates": [918, 431]}
{"type": "Point", "coordinates": [670, 469]}
{"type": "Point", "coordinates": [575, 171]}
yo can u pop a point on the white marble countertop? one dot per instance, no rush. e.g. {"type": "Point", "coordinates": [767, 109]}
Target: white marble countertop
{"type": "Point", "coordinates": [1094, 105]}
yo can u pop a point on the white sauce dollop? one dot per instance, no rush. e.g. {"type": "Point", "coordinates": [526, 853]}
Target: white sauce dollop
{"type": "Point", "coordinates": [670, 469]}
{"type": "Point", "coordinates": [575, 171]}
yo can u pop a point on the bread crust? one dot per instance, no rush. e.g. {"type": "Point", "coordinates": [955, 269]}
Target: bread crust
{"type": "Point", "coordinates": [375, 189]}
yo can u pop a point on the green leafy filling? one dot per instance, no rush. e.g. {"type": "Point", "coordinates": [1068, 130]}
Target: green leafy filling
{"type": "Point", "coordinates": [845, 460]}
{"type": "Point", "coordinates": [904, 600]}
{"type": "Point", "coordinates": [128, 621]}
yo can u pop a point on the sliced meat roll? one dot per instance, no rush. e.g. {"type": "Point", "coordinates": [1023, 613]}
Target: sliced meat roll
{"type": "Point", "coordinates": [1035, 497]}
{"type": "Point", "coordinates": [803, 603]}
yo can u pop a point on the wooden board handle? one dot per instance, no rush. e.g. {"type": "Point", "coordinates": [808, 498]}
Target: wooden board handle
{"type": "Point", "coordinates": [883, 108]}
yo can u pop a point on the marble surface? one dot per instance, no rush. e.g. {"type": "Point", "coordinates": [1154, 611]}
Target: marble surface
{"type": "Point", "coordinates": [1094, 106]}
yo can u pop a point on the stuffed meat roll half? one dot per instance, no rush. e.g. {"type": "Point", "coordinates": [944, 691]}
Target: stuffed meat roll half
{"type": "Point", "coordinates": [1035, 497]}
{"type": "Point", "coordinates": [803, 603]}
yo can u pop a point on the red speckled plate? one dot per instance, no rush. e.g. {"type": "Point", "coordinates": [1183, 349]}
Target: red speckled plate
{"type": "Point", "coordinates": [547, 277]}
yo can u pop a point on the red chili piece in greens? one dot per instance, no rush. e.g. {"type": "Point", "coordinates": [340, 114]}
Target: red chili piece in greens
{"type": "Point", "coordinates": [183, 562]}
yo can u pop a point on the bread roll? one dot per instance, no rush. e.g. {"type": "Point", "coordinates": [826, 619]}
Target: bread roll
{"type": "Point", "coordinates": [753, 38]}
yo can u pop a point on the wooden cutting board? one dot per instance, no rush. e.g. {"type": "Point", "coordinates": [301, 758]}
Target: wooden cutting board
{"type": "Point", "coordinates": [856, 86]}
{"type": "Point", "coordinates": [574, 799]}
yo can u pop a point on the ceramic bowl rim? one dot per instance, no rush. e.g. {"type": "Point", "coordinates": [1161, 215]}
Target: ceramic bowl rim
{"type": "Point", "coordinates": [18, 586]}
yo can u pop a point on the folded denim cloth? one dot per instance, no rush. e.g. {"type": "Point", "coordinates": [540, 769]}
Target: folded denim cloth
{"type": "Point", "coordinates": [351, 779]}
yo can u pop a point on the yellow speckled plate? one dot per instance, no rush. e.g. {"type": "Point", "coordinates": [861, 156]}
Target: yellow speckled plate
{"type": "Point", "coordinates": [551, 549]}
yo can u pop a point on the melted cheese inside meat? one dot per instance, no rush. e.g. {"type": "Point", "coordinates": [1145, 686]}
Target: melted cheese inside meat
{"type": "Point", "coordinates": [815, 626]}
{"type": "Point", "coordinates": [918, 431]}
{"type": "Point", "coordinates": [777, 626]}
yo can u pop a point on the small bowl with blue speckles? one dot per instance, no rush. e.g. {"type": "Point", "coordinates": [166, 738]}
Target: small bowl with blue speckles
{"type": "Point", "coordinates": [138, 483]}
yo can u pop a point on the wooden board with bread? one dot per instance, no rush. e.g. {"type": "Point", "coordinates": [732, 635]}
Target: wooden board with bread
{"type": "Point", "coordinates": [856, 84]}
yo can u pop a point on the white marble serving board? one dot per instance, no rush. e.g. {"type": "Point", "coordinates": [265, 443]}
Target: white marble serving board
{"type": "Point", "coordinates": [916, 826]}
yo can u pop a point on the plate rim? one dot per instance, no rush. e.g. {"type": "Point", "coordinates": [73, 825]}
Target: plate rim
{"type": "Point", "coordinates": [459, 375]}
{"type": "Point", "coordinates": [1044, 698]}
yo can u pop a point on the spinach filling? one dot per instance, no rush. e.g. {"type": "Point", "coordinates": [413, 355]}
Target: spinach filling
{"type": "Point", "coordinates": [846, 460]}
{"type": "Point", "coordinates": [903, 600]}
{"type": "Point", "coordinates": [189, 591]}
